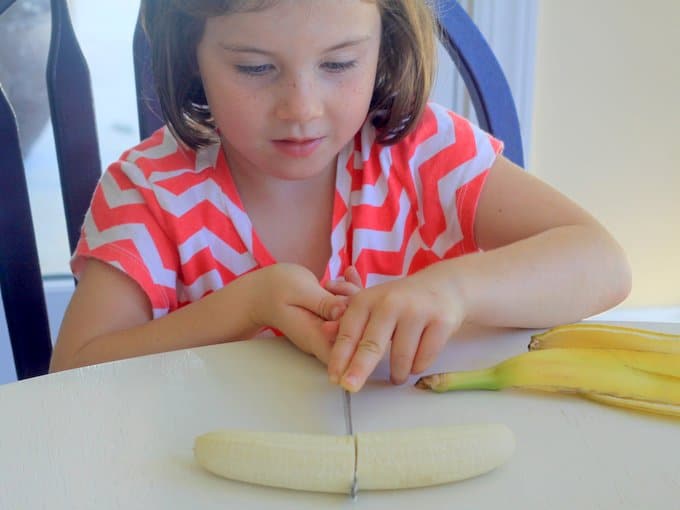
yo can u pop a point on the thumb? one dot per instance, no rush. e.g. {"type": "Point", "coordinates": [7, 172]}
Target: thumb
{"type": "Point", "coordinates": [320, 301]}
{"type": "Point", "coordinates": [331, 307]}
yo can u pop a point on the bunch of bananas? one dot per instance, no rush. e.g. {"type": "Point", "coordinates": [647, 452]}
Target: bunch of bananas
{"type": "Point", "coordinates": [628, 367]}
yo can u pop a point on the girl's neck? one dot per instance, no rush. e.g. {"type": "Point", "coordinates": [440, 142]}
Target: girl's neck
{"type": "Point", "coordinates": [303, 207]}
{"type": "Point", "coordinates": [257, 187]}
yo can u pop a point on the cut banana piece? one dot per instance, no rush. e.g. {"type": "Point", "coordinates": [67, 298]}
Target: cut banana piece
{"type": "Point", "coordinates": [404, 459]}
{"type": "Point", "coordinates": [385, 460]}
{"type": "Point", "coordinates": [309, 462]}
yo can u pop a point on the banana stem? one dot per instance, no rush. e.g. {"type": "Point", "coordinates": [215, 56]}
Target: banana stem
{"type": "Point", "coordinates": [484, 379]}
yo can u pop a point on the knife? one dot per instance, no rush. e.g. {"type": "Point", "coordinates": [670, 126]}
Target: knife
{"type": "Point", "coordinates": [350, 431]}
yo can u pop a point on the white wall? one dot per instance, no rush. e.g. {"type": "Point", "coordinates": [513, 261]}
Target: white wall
{"type": "Point", "coordinates": [606, 126]}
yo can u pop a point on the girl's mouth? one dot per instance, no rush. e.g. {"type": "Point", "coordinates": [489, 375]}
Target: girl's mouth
{"type": "Point", "coordinates": [298, 147]}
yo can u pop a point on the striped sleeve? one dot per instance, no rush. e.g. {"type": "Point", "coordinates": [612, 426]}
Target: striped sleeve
{"type": "Point", "coordinates": [123, 228]}
{"type": "Point", "coordinates": [449, 168]}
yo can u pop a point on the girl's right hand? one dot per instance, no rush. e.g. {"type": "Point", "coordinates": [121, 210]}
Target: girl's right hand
{"type": "Point", "coordinates": [288, 297]}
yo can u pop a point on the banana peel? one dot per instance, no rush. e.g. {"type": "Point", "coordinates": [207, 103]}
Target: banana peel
{"type": "Point", "coordinates": [595, 335]}
{"type": "Point", "coordinates": [635, 405]}
{"type": "Point", "coordinates": [591, 335]}
{"type": "Point", "coordinates": [614, 365]}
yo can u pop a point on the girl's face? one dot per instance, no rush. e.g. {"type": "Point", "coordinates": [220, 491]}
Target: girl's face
{"type": "Point", "coordinates": [290, 85]}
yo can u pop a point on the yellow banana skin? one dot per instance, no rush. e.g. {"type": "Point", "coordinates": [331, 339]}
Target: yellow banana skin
{"type": "Point", "coordinates": [605, 336]}
{"type": "Point", "coordinates": [636, 405]}
{"type": "Point", "coordinates": [645, 376]}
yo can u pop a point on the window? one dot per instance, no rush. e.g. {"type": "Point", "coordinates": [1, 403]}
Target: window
{"type": "Point", "coordinates": [105, 32]}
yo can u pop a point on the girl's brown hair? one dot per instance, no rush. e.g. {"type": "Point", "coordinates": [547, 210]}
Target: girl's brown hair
{"type": "Point", "coordinates": [403, 81]}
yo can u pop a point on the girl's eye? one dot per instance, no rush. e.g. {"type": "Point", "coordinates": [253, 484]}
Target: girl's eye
{"type": "Point", "coordinates": [338, 67]}
{"type": "Point", "coordinates": [254, 70]}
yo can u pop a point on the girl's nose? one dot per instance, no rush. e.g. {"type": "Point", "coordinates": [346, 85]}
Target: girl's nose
{"type": "Point", "coordinates": [300, 100]}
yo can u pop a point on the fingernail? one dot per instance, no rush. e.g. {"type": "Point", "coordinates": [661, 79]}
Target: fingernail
{"type": "Point", "coordinates": [397, 381]}
{"type": "Point", "coordinates": [350, 382]}
{"type": "Point", "coordinates": [333, 378]}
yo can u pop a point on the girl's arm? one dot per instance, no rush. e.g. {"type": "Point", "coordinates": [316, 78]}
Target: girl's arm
{"type": "Point", "coordinates": [110, 318]}
{"type": "Point", "coordinates": [545, 261]}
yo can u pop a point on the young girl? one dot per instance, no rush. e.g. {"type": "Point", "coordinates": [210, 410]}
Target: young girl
{"type": "Point", "coordinates": [303, 185]}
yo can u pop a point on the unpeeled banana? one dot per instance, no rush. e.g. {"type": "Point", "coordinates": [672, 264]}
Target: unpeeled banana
{"type": "Point", "coordinates": [396, 459]}
{"type": "Point", "coordinates": [619, 366]}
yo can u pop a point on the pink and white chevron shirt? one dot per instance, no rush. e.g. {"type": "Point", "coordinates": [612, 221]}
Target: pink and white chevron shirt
{"type": "Point", "coordinates": [172, 219]}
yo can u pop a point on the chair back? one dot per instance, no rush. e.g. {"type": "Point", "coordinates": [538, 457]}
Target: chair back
{"type": "Point", "coordinates": [20, 277]}
{"type": "Point", "coordinates": [483, 77]}
{"type": "Point", "coordinates": [148, 106]}
{"type": "Point", "coordinates": [77, 148]}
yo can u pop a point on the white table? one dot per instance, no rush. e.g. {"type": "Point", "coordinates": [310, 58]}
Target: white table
{"type": "Point", "coordinates": [120, 435]}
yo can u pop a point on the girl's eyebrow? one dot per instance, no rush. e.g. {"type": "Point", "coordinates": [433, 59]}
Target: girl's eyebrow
{"type": "Point", "coordinates": [252, 49]}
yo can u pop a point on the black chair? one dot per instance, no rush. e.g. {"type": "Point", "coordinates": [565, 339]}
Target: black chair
{"type": "Point", "coordinates": [77, 147]}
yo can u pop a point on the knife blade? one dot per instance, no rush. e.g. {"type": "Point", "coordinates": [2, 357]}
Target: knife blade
{"type": "Point", "coordinates": [350, 431]}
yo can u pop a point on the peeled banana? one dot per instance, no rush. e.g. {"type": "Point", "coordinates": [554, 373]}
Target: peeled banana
{"type": "Point", "coordinates": [645, 376]}
{"type": "Point", "coordinates": [396, 459]}
{"type": "Point", "coordinates": [605, 336]}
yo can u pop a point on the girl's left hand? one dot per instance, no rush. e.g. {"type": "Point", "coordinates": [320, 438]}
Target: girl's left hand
{"type": "Point", "coordinates": [416, 314]}
{"type": "Point", "coordinates": [349, 285]}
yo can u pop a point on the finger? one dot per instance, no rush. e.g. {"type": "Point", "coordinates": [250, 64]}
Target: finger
{"type": "Point", "coordinates": [350, 330]}
{"type": "Point", "coordinates": [308, 332]}
{"type": "Point", "coordinates": [319, 301]}
{"type": "Point", "coordinates": [370, 349]}
{"type": "Point", "coordinates": [342, 288]}
{"type": "Point", "coordinates": [405, 341]}
{"type": "Point", "coordinates": [352, 276]}
{"type": "Point", "coordinates": [330, 329]}
{"type": "Point", "coordinates": [434, 338]}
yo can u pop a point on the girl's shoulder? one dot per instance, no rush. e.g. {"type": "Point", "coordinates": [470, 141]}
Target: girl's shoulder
{"type": "Point", "coordinates": [440, 127]}
{"type": "Point", "coordinates": [441, 135]}
{"type": "Point", "coordinates": [161, 159]}
{"type": "Point", "coordinates": [162, 156]}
